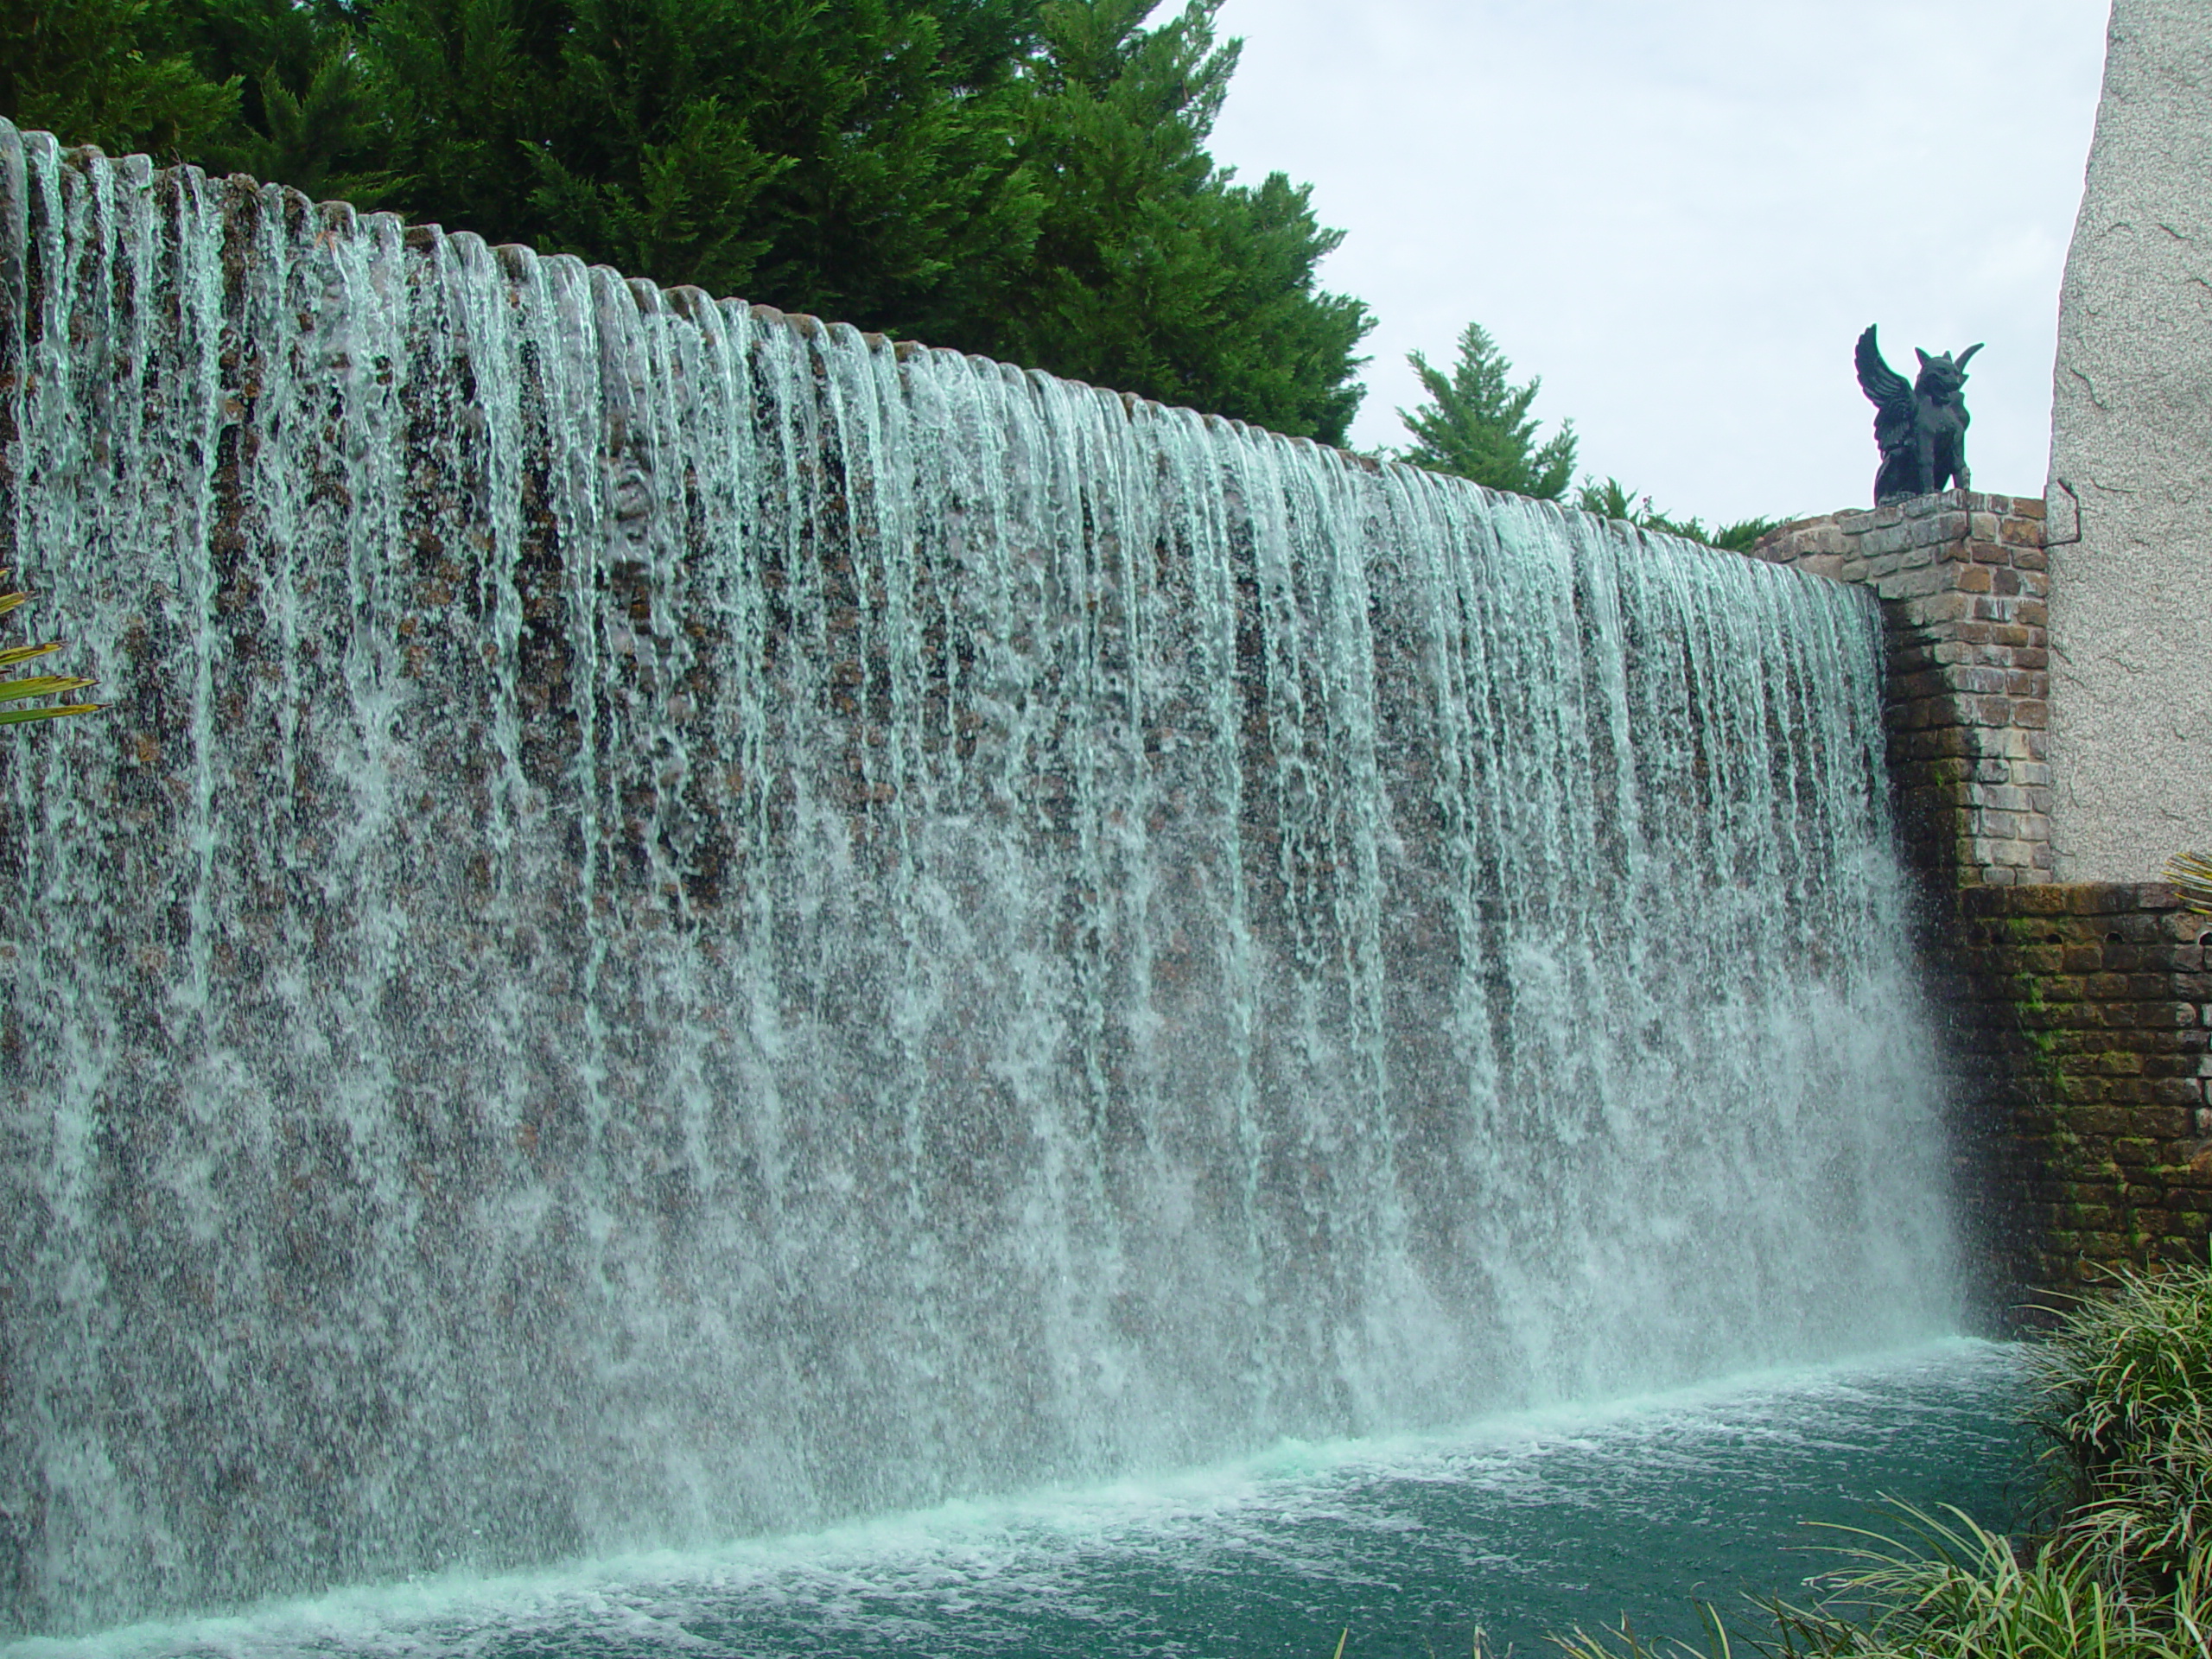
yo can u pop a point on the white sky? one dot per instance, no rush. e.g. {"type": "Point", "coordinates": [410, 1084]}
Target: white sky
{"type": "Point", "coordinates": [1681, 212]}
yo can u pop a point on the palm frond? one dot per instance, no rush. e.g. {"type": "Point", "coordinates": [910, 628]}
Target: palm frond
{"type": "Point", "coordinates": [2191, 876]}
{"type": "Point", "coordinates": [37, 685]}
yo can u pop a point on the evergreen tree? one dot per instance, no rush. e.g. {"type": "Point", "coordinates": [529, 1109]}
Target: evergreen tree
{"type": "Point", "coordinates": [857, 161]}
{"type": "Point", "coordinates": [1613, 499]}
{"type": "Point", "coordinates": [112, 72]}
{"type": "Point", "coordinates": [1476, 425]}
{"type": "Point", "coordinates": [310, 112]}
{"type": "Point", "coordinates": [1154, 271]}
{"type": "Point", "coordinates": [1024, 178]}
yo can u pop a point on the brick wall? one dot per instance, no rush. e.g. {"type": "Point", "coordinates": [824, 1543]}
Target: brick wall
{"type": "Point", "coordinates": [1963, 587]}
{"type": "Point", "coordinates": [2078, 1017]}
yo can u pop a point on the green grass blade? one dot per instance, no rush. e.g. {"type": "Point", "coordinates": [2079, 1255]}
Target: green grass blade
{"type": "Point", "coordinates": [15, 654]}
{"type": "Point", "coordinates": [2191, 876]}
{"type": "Point", "coordinates": [17, 716]}
{"type": "Point", "coordinates": [41, 685]}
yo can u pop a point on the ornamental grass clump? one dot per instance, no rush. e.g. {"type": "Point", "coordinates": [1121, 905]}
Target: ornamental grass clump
{"type": "Point", "coordinates": [2122, 1569]}
{"type": "Point", "coordinates": [2126, 1387]}
{"type": "Point", "coordinates": [2191, 876]}
{"type": "Point", "coordinates": [1944, 1588]}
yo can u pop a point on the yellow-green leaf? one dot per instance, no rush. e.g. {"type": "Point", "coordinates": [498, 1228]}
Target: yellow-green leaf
{"type": "Point", "coordinates": [17, 716]}
{"type": "Point", "coordinates": [40, 685]}
{"type": "Point", "coordinates": [2191, 875]}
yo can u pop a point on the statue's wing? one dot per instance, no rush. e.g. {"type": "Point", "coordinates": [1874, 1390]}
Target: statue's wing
{"type": "Point", "coordinates": [1888, 392]}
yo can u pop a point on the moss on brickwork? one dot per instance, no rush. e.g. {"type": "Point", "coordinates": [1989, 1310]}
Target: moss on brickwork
{"type": "Point", "coordinates": [2079, 1038]}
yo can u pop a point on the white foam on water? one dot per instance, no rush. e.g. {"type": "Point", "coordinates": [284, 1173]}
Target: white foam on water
{"type": "Point", "coordinates": [975, 1577]}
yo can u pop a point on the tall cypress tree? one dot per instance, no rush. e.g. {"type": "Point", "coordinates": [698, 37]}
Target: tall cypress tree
{"type": "Point", "coordinates": [1024, 178]}
{"type": "Point", "coordinates": [1477, 424]}
{"type": "Point", "coordinates": [846, 160]}
{"type": "Point", "coordinates": [1154, 271]}
{"type": "Point", "coordinates": [118, 73]}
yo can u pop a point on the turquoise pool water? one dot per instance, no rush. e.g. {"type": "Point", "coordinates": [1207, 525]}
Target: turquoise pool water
{"type": "Point", "coordinates": [1518, 1525]}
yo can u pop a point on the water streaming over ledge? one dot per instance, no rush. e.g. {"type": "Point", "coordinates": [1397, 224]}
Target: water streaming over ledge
{"type": "Point", "coordinates": [691, 923]}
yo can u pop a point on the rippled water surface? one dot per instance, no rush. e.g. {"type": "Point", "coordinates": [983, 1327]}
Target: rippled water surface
{"type": "Point", "coordinates": [1518, 1525]}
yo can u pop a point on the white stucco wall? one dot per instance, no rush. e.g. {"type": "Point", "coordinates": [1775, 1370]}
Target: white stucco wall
{"type": "Point", "coordinates": [2131, 602]}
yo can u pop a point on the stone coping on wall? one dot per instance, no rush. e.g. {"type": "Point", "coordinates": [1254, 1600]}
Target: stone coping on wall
{"type": "Point", "coordinates": [1964, 592]}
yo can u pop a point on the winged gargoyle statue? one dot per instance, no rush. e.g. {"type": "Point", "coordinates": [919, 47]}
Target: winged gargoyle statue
{"type": "Point", "coordinates": [1921, 428]}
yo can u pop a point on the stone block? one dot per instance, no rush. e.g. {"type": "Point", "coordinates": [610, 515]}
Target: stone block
{"type": "Point", "coordinates": [1937, 528]}
{"type": "Point", "coordinates": [1943, 610]}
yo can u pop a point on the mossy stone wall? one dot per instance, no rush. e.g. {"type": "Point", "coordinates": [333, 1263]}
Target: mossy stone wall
{"type": "Point", "coordinates": [2079, 1015]}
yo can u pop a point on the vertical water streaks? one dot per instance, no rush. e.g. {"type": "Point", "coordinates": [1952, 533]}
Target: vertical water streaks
{"type": "Point", "coordinates": [690, 921]}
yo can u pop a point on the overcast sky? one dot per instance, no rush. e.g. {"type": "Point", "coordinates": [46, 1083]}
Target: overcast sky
{"type": "Point", "coordinates": [1681, 212]}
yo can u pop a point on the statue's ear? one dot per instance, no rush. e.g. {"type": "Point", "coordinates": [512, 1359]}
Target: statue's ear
{"type": "Point", "coordinates": [1922, 355]}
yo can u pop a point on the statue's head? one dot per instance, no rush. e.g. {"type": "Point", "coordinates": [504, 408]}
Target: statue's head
{"type": "Point", "coordinates": [1940, 376]}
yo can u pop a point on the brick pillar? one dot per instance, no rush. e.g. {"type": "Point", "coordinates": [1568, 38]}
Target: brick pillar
{"type": "Point", "coordinates": [1962, 583]}
{"type": "Point", "coordinates": [2077, 1017]}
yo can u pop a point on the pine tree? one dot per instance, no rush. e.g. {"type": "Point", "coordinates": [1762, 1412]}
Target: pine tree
{"type": "Point", "coordinates": [1614, 500]}
{"type": "Point", "coordinates": [1154, 271]}
{"type": "Point", "coordinates": [1476, 425]}
{"type": "Point", "coordinates": [112, 72]}
{"type": "Point", "coordinates": [1023, 178]}
{"type": "Point", "coordinates": [854, 161]}
{"type": "Point", "coordinates": [310, 113]}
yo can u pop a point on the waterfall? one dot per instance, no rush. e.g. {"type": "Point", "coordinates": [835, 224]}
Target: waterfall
{"type": "Point", "coordinates": [689, 921]}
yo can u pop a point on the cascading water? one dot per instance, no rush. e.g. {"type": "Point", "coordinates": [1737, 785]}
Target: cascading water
{"type": "Point", "coordinates": [689, 921]}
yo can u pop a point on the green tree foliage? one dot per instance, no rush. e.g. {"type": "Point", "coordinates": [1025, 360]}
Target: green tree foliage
{"type": "Point", "coordinates": [1153, 268]}
{"type": "Point", "coordinates": [858, 161]}
{"type": "Point", "coordinates": [1027, 178]}
{"type": "Point", "coordinates": [1613, 499]}
{"type": "Point", "coordinates": [22, 688]}
{"type": "Point", "coordinates": [1477, 424]}
{"type": "Point", "coordinates": [114, 72]}
{"type": "Point", "coordinates": [308, 111]}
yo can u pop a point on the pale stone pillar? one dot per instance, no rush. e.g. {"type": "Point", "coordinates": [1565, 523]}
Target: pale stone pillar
{"type": "Point", "coordinates": [2131, 599]}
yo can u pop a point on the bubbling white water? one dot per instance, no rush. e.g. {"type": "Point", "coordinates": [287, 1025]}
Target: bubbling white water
{"type": "Point", "coordinates": [689, 922]}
